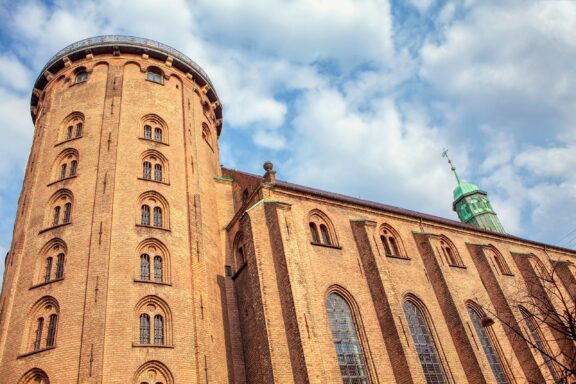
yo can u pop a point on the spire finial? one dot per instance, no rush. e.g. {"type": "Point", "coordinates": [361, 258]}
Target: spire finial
{"type": "Point", "coordinates": [452, 167]}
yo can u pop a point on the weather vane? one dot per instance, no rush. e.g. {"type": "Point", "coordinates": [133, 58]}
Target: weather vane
{"type": "Point", "coordinates": [452, 167]}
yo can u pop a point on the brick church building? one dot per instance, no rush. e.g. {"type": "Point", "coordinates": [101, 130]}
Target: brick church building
{"type": "Point", "coordinates": [136, 258]}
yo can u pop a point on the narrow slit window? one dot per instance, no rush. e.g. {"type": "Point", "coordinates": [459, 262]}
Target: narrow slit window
{"type": "Point", "coordinates": [146, 171]}
{"type": "Point", "coordinates": [73, 166]}
{"type": "Point", "coordinates": [38, 333]}
{"type": "Point", "coordinates": [314, 233]}
{"type": "Point", "coordinates": [386, 245]}
{"type": "Point", "coordinates": [48, 271]}
{"type": "Point", "coordinates": [51, 338]}
{"type": "Point", "coordinates": [60, 266]}
{"type": "Point", "coordinates": [78, 129]}
{"type": "Point", "coordinates": [69, 132]}
{"type": "Point", "coordinates": [62, 171]}
{"type": "Point", "coordinates": [67, 213]}
{"type": "Point", "coordinates": [56, 217]}
{"type": "Point", "coordinates": [325, 235]}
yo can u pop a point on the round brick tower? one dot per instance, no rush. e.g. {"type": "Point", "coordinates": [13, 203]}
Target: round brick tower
{"type": "Point", "coordinates": [111, 276]}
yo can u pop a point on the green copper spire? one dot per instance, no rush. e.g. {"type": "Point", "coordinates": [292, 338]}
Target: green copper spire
{"type": "Point", "coordinates": [472, 204]}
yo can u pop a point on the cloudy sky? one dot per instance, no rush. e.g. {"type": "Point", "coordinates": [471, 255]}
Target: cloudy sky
{"type": "Point", "coordinates": [352, 96]}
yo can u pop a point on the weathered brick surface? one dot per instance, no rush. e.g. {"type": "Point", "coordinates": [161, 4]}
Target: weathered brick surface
{"type": "Point", "coordinates": [260, 322]}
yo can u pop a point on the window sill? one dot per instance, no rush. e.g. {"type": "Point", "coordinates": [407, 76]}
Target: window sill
{"type": "Point", "coordinates": [153, 141]}
{"type": "Point", "coordinates": [155, 82]}
{"type": "Point", "coordinates": [137, 345]}
{"type": "Point", "coordinates": [35, 352]}
{"type": "Point", "coordinates": [46, 283]}
{"type": "Point", "coordinates": [153, 227]}
{"type": "Point", "coordinates": [507, 274]}
{"type": "Point", "coordinates": [67, 140]}
{"type": "Point", "coordinates": [326, 245]}
{"type": "Point", "coordinates": [152, 282]}
{"type": "Point", "coordinates": [54, 227]}
{"type": "Point", "coordinates": [398, 257]}
{"type": "Point", "coordinates": [457, 266]}
{"type": "Point", "coordinates": [62, 180]}
{"type": "Point", "coordinates": [154, 181]}
{"type": "Point", "coordinates": [237, 273]}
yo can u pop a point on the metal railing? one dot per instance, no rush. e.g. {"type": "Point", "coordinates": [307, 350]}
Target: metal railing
{"type": "Point", "coordinates": [126, 40]}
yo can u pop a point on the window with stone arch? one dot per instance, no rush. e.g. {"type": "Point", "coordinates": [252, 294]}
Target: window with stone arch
{"type": "Point", "coordinates": [321, 229]}
{"type": "Point", "coordinates": [72, 127]}
{"type": "Point", "coordinates": [154, 128]}
{"type": "Point", "coordinates": [424, 341]}
{"type": "Point", "coordinates": [489, 343]}
{"type": "Point", "coordinates": [153, 372]}
{"type": "Point", "coordinates": [42, 325]}
{"type": "Point", "coordinates": [34, 376]}
{"type": "Point", "coordinates": [155, 75]}
{"type": "Point", "coordinates": [239, 250]}
{"type": "Point", "coordinates": [80, 75]}
{"type": "Point", "coordinates": [153, 322]}
{"type": "Point", "coordinates": [207, 136]}
{"type": "Point", "coordinates": [345, 336]}
{"type": "Point", "coordinates": [65, 165]}
{"type": "Point", "coordinates": [391, 242]}
{"type": "Point", "coordinates": [51, 262]}
{"type": "Point", "coordinates": [498, 259]}
{"type": "Point", "coordinates": [59, 208]}
{"type": "Point", "coordinates": [449, 252]}
{"type": "Point", "coordinates": [152, 262]}
{"type": "Point", "coordinates": [154, 166]}
{"type": "Point", "coordinates": [153, 210]}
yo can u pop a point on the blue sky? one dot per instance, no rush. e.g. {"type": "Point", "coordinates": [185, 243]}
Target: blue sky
{"type": "Point", "coordinates": [353, 96]}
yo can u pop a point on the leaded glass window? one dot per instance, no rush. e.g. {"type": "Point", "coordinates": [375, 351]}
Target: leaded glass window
{"type": "Point", "coordinates": [60, 266]}
{"type": "Point", "coordinates": [144, 329]}
{"type": "Point", "coordinates": [424, 343]}
{"type": "Point", "coordinates": [50, 339]}
{"type": "Point", "coordinates": [158, 330]}
{"type": "Point", "coordinates": [491, 354]}
{"type": "Point", "coordinates": [145, 215]}
{"type": "Point", "coordinates": [38, 333]}
{"type": "Point", "coordinates": [147, 170]}
{"type": "Point", "coordinates": [144, 267]}
{"type": "Point", "coordinates": [157, 217]}
{"type": "Point", "coordinates": [157, 269]}
{"type": "Point", "coordinates": [48, 271]}
{"type": "Point", "coordinates": [348, 349]}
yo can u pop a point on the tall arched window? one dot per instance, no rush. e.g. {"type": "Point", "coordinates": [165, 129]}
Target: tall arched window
{"type": "Point", "coordinates": [348, 349]}
{"type": "Point", "coordinates": [79, 127]}
{"type": "Point", "coordinates": [65, 164]}
{"type": "Point", "coordinates": [147, 170]}
{"type": "Point", "coordinates": [144, 329]}
{"type": "Point", "coordinates": [158, 330]}
{"type": "Point", "coordinates": [145, 215]}
{"type": "Point", "coordinates": [157, 269]}
{"type": "Point", "coordinates": [56, 216]}
{"type": "Point", "coordinates": [486, 340]}
{"type": "Point", "coordinates": [67, 212]}
{"type": "Point", "coordinates": [153, 372]}
{"type": "Point", "coordinates": [157, 172]}
{"type": "Point", "coordinates": [154, 74]}
{"type": "Point", "coordinates": [61, 200]}
{"type": "Point", "coordinates": [72, 126]}
{"type": "Point", "coordinates": [48, 271]}
{"type": "Point", "coordinates": [50, 264]}
{"type": "Point", "coordinates": [144, 267]}
{"type": "Point", "coordinates": [69, 131]}
{"type": "Point", "coordinates": [155, 128]}
{"type": "Point", "coordinates": [63, 171]}
{"type": "Point", "coordinates": [73, 165]}
{"type": "Point", "coordinates": [158, 134]}
{"type": "Point", "coordinates": [158, 217]}
{"type": "Point", "coordinates": [499, 260]}
{"type": "Point", "coordinates": [148, 132]}
{"type": "Point", "coordinates": [60, 266]}
{"type": "Point", "coordinates": [35, 376]}
{"type": "Point", "coordinates": [424, 344]}
{"type": "Point", "coordinates": [449, 251]}
{"type": "Point", "coordinates": [314, 233]}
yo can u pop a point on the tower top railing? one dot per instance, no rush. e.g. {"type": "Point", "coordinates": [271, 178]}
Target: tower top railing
{"type": "Point", "coordinates": [126, 40]}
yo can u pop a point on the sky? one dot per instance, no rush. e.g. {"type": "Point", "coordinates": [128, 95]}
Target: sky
{"type": "Point", "coordinates": [358, 97]}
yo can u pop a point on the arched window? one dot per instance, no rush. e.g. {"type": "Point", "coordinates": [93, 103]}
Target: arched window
{"type": "Point", "coordinates": [314, 233]}
{"type": "Point", "coordinates": [540, 342]}
{"type": "Point", "coordinates": [43, 324]}
{"type": "Point", "coordinates": [321, 229]}
{"type": "Point", "coordinates": [153, 309]}
{"type": "Point", "coordinates": [144, 329]}
{"type": "Point", "coordinates": [541, 271]}
{"type": "Point", "coordinates": [63, 171]}
{"type": "Point", "coordinates": [148, 132]}
{"type": "Point", "coordinates": [67, 212]}
{"type": "Point", "coordinates": [154, 74]}
{"type": "Point", "coordinates": [488, 343]}
{"type": "Point", "coordinates": [153, 262]}
{"type": "Point", "coordinates": [499, 261]}
{"type": "Point", "coordinates": [145, 215]}
{"type": "Point", "coordinates": [147, 170]}
{"type": "Point", "coordinates": [155, 128]}
{"type": "Point", "coordinates": [391, 242]}
{"type": "Point", "coordinates": [34, 376]}
{"type": "Point", "coordinates": [152, 203]}
{"type": "Point", "coordinates": [158, 217]}
{"type": "Point", "coordinates": [157, 269]}
{"type": "Point", "coordinates": [50, 264]}
{"type": "Point", "coordinates": [424, 344]}
{"type": "Point", "coordinates": [65, 164]}
{"type": "Point", "coordinates": [348, 349]}
{"type": "Point", "coordinates": [81, 75]}
{"type": "Point", "coordinates": [73, 166]}
{"type": "Point", "coordinates": [56, 216]}
{"type": "Point", "coordinates": [72, 126]}
{"type": "Point", "coordinates": [157, 172]}
{"type": "Point", "coordinates": [239, 254]}
{"type": "Point", "coordinates": [158, 134]}
{"type": "Point", "coordinates": [158, 330]}
{"type": "Point", "coordinates": [60, 201]}
{"type": "Point", "coordinates": [144, 267]}
{"type": "Point", "coordinates": [448, 250]}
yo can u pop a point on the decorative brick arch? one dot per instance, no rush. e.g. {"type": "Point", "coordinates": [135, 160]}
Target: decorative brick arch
{"type": "Point", "coordinates": [34, 376]}
{"type": "Point", "coordinates": [59, 208]}
{"type": "Point", "coordinates": [449, 251]}
{"type": "Point", "coordinates": [154, 122]}
{"type": "Point", "coordinates": [36, 332]}
{"type": "Point", "coordinates": [52, 249]}
{"type": "Point", "coordinates": [66, 157]}
{"type": "Point", "coordinates": [152, 305]}
{"type": "Point", "coordinates": [153, 372]}
{"type": "Point", "coordinates": [153, 248]}
{"type": "Point", "coordinates": [321, 228]}
{"type": "Point", "coordinates": [498, 260]}
{"type": "Point", "coordinates": [72, 126]}
{"type": "Point", "coordinates": [153, 200]}
{"type": "Point", "coordinates": [155, 158]}
{"type": "Point", "coordinates": [391, 241]}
